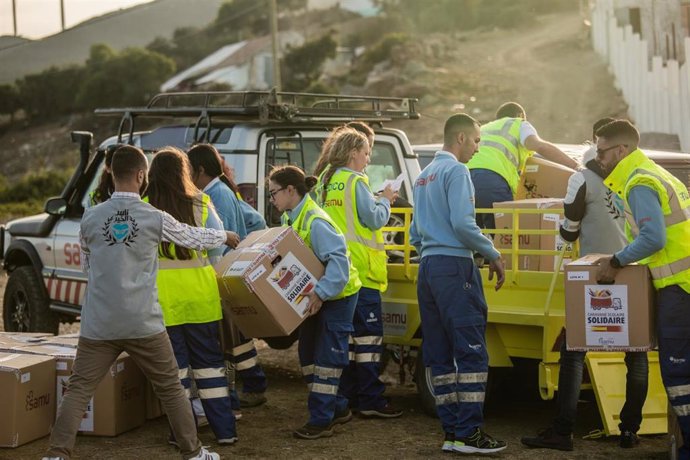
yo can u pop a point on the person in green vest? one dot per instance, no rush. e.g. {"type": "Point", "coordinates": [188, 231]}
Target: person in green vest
{"type": "Point", "coordinates": [188, 292]}
{"type": "Point", "coordinates": [506, 144]}
{"type": "Point", "coordinates": [323, 336]}
{"type": "Point", "coordinates": [657, 214]}
{"type": "Point", "coordinates": [348, 200]}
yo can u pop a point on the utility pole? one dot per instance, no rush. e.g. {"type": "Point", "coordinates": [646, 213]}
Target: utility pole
{"type": "Point", "coordinates": [14, 16]}
{"type": "Point", "coordinates": [274, 42]}
{"type": "Point", "coordinates": [62, 14]}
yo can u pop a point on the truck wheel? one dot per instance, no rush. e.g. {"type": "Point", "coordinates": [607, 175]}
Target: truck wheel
{"type": "Point", "coordinates": [25, 305]}
{"type": "Point", "coordinates": [422, 377]}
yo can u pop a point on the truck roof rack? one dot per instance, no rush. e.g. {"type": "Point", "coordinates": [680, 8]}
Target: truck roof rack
{"type": "Point", "coordinates": [266, 107]}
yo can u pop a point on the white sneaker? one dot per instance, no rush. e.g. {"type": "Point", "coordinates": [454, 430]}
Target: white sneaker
{"type": "Point", "coordinates": [205, 455]}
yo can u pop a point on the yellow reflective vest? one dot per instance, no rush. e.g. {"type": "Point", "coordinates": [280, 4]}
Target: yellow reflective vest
{"type": "Point", "coordinates": [670, 265]}
{"type": "Point", "coordinates": [365, 245]}
{"type": "Point", "coordinates": [187, 289]}
{"type": "Point", "coordinates": [501, 151]}
{"type": "Point", "coordinates": [302, 225]}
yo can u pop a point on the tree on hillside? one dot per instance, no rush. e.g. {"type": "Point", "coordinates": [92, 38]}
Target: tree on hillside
{"type": "Point", "coordinates": [9, 101]}
{"type": "Point", "coordinates": [130, 77]}
{"type": "Point", "coordinates": [301, 66]}
{"type": "Point", "coordinates": [245, 18]}
{"type": "Point", "coordinates": [50, 93]}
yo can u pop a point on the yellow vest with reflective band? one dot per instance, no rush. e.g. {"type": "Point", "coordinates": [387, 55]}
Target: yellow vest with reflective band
{"type": "Point", "coordinates": [187, 289]}
{"type": "Point", "coordinates": [500, 150]}
{"type": "Point", "coordinates": [302, 225]}
{"type": "Point", "coordinates": [670, 265]}
{"type": "Point", "coordinates": [365, 245]}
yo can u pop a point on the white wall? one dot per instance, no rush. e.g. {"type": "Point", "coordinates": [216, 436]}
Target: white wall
{"type": "Point", "coordinates": [657, 92]}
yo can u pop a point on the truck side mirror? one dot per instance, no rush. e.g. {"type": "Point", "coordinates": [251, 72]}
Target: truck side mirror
{"type": "Point", "coordinates": [56, 206]}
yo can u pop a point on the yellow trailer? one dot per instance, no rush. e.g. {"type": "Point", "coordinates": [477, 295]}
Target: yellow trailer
{"type": "Point", "coordinates": [526, 318]}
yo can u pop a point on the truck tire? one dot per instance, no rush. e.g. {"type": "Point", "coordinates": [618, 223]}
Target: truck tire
{"type": "Point", "coordinates": [422, 377]}
{"type": "Point", "coordinates": [25, 305]}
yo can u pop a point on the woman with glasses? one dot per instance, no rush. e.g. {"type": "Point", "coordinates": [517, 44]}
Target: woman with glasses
{"type": "Point", "coordinates": [188, 292]}
{"type": "Point", "coordinates": [323, 337]}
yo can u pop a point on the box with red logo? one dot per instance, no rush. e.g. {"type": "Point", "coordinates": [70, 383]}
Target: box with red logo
{"type": "Point", "coordinates": [27, 398]}
{"type": "Point", "coordinates": [264, 282]}
{"type": "Point", "coordinates": [119, 403]}
{"type": "Point", "coordinates": [608, 317]}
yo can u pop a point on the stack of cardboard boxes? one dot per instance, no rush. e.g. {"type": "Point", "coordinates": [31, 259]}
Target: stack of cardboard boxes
{"type": "Point", "coordinates": [118, 405]}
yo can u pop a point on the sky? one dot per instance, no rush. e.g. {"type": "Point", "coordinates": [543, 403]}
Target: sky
{"type": "Point", "coordinates": [40, 18]}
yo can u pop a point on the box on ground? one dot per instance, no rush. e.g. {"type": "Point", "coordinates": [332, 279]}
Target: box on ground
{"type": "Point", "coordinates": [27, 398]}
{"type": "Point", "coordinates": [550, 220]}
{"type": "Point", "coordinates": [119, 403]}
{"type": "Point", "coordinates": [264, 282]}
{"type": "Point", "coordinates": [608, 317]}
{"type": "Point", "coordinates": [543, 179]}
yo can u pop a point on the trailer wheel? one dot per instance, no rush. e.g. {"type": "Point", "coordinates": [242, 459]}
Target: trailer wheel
{"type": "Point", "coordinates": [422, 377]}
{"type": "Point", "coordinates": [25, 305]}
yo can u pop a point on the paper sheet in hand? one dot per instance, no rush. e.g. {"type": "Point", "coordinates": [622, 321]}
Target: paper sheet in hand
{"type": "Point", "coordinates": [395, 184]}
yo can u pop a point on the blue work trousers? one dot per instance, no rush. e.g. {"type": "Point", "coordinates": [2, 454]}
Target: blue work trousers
{"type": "Point", "coordinates": [570, 380]}
{"type": "Point", "coordinates": [453, 312]}
{"type": "Point", "coordinates": [489, 188]}
{"type": "Point", "coordinates": [198, 346]}
{"type": "Point", "coordinates": [323, 354]}
{"type": "Point", "coordinates": [360, 382]}
{"type": "Point", "coordinates": [673, 331]}
{"type": "Point", "coordinates": [247, 365]}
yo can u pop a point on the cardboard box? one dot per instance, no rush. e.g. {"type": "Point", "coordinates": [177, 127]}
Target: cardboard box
{"type": "Point", "coordinates": [613, 317]}
{"type": "Point", "coordinates": [548, 221]}
{"type": "Point", "coordinates": [9, 340]}
{"type": "Point", "coordinates": [27, 398]}
{"type": "Point", "coordinates": [119, 403]}
{"type": "Point", "coordinates": [543, 179]}
{"type": "Point", "coordinates": [62, 340]}
{"type": "Point", "coordinates": [264, 282]}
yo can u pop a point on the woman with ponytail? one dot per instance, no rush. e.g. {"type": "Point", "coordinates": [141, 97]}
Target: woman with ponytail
{"type": "Point", "coordinates": [324, 335]}
{"type": "Point", "coordinates": [348, 200]}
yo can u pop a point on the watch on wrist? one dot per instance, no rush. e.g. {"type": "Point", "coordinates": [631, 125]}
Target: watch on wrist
{"type": "Point", "coordinates": [615, 263]}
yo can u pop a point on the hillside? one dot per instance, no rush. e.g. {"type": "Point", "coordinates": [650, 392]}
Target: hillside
{"type": "Point", "coordinates": [120, 29]}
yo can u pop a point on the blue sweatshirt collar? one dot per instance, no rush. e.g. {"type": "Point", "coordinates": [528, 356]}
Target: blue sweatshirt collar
{"type": "Point", "coordinates": [293, 213]}
{"type": "Point", "coordinates": [444, 154]}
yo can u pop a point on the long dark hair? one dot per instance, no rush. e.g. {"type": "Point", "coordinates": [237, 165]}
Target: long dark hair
{"type": "Point", "coordinates": [106, 187]}
{"type": "Point", "coordinates": [292, 175]}
{"type": "Point", "coordinates": [206, 156]}
{"type": "Point", "coordinates": [171, 190]}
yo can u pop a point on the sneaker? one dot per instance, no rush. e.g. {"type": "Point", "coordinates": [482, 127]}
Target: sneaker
{"type": "Point", "coordinates": [448, 442]}
{"type": "Point", "coordinates": [251, 399]}
{"type": "Point", "coordinates": [237, 414]}
{"type": "Point", "coordinates": [478, 443]}
{"type": "Point", "coordinates": [342, 417]}
{"type": "Point", "coordinates": [228, 441]}
{"type": "Point", "coordinates": [205, 455]}
{"type": "Point", "coordinates": [629, 439]}
{"type": "Point", "coordinates": [549, 439]}
{"type": "Point", "coordinates": [387, 411]}
{"type": "Point", "coordinates": [313, 432]}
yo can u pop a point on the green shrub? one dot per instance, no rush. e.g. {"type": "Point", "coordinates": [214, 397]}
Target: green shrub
{"type": "Point", "coordinates": [35, 186]}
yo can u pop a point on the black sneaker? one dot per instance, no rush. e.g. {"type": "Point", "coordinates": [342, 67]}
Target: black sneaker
{"type": "Point", "coordinates": [342, 417]}
{"type": "Point", "coordinates": [629, 439]}
{"type": "Point", "coordinates": [313, 432]}
{"type": "Point", "coordinates": [478, 443]}
{"type": "Point", "coordinates": [549, 439]}
{"type": "Point", "coordinates": [387, 411]}
{"type": "Point", "coordinates": [448, 443]}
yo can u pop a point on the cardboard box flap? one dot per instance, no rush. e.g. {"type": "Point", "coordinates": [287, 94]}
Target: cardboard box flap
{"type": "Point", "coordinates": [588, 260]}
{"type": "Point", "coordinates": [18, 361]}
{"type": "Point", "coordinates": [56, 351]}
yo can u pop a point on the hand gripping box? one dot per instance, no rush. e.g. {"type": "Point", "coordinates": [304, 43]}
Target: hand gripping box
{"type": "Point", "coordinates": [119, 402]}
{"type": "Point", "coordinates": [264, 282]}
{"type": "Point", "coordinates": [27, 398]}
{"type": "Point", "coordinates": [608, 317]}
